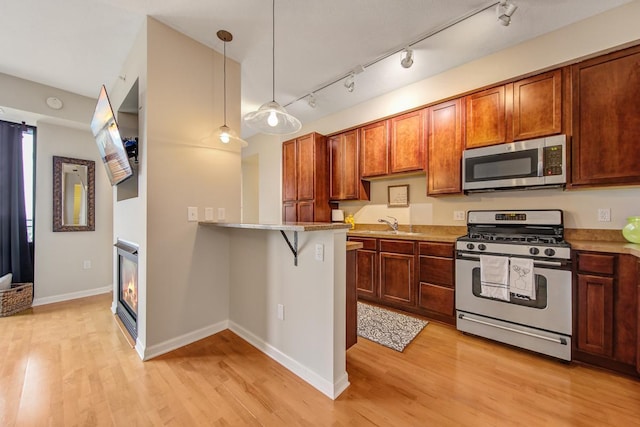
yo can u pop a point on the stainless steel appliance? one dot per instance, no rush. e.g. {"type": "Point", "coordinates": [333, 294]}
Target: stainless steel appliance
{"type": "Point", "coordinates": [536, 163]}
{"type": "Point", "coordinates": [541, 321]}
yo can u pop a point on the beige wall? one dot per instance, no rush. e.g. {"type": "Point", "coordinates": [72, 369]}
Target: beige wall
{"type": "Point", "coordinates": [614, 28]}
{"type": "Point", "coordinates": [187, 283]}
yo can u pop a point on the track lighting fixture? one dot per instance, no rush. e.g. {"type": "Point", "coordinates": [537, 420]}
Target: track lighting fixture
{"type": "Point", "coordinates": [311, 100]}
{"type": "Point", "coordinates": [350, 83]}
{"type": "Point", "coordinates": [504, 10]}
{"type": "Point", "coordinates": [271, 118]}
{"type": "Point", "coordinates": [407, 58]}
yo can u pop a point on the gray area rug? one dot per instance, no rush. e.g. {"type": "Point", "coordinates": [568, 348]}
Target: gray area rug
{"type": "Point", "coordinates": [391, 329]}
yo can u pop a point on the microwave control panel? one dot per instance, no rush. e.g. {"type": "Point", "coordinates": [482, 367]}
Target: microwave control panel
{"type": "Point", "coordinates": [552, 160]}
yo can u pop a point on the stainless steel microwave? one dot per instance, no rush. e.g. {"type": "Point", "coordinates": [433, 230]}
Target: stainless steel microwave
{"type": "Point", "coordinates": [534, 163]}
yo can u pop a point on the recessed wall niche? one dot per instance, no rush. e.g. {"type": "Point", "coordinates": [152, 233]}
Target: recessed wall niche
{"type": "Point", "coordinates": [128, 124]}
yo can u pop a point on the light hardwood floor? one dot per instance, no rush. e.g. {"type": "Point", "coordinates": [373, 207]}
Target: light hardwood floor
{"type": "Point", "coordinates": [68, 364]}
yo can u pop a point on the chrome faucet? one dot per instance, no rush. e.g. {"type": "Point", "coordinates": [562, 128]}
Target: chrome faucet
{"type": "Point", "coordinates": [393, 225]}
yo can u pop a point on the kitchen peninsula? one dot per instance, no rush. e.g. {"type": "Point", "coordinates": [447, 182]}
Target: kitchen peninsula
{"type": "Point", "coordinates": [287, 295]}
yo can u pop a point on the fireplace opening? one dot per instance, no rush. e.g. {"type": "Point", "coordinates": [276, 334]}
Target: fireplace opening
{"type": "Point", "coordinates": [127, 304]}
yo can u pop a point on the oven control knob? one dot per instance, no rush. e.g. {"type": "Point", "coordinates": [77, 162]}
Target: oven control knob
{"type": "Point", "coordinates": [482, 247]}
{"type": "Point", "coordinates": [549, 252]}
{"type": "Point", "coordinates": [470, 246]}
{"type": "Point", "coordinates": [534, 251]}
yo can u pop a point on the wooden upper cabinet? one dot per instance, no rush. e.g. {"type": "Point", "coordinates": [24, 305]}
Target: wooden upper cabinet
{"type": "Point", "coordinates": [305, 171]}
{"type": "Point", "coordinates": [606, 120]}
{"type": "Point", "coordinates": [486, 118]}
{"type": "Point", "coordinates": [289, 168]}
{"type": "Point", "coordinates": [374, 150]}
{"type": "Point", "coordinates": [406, 150]}
{"type": "Point", "coordinates": [344, 173]}
{"type": "Point", "coordinates": [443, 123]}
{"type": "Point", "coordinates": [537, 106]}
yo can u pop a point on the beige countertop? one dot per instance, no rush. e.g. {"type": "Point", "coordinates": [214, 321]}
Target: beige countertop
{"type": "Point", "coordinates": [425, 236]}
{"type": "Point", "coordinates": [287, 226]}
{"type": "Point", "coordinates": [604, 246]}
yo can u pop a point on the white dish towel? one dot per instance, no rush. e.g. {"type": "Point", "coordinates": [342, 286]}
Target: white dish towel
{"type": "Point", "coordinates": [521, 277]}
{"type": "Point", "coordinates": [494, 277]}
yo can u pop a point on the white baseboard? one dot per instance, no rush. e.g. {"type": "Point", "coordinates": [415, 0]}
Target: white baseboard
{"type": "Point", "coordinates": [72, 295]}
{"type": "Point", "coordinates": [169, 345]}
{"type": "Point", "coordinates": [332, 390]}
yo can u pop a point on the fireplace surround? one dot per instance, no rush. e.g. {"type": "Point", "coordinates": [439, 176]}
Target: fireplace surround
{"type": "Point", "coordinates": [127, 298]}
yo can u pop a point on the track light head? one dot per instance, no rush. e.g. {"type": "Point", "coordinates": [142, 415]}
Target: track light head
{"type": "Point", "coordinates": [350, 83]}
{"type": "Point", "coordinates": [311, 100]}
{"type": "Point", "coordinates": [407, 58]}
{"type": "Point", "coordinates": [505, 10]}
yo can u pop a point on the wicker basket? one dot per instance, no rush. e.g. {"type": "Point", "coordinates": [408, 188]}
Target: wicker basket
{"type": "Point", "coordinates": [16, 299]}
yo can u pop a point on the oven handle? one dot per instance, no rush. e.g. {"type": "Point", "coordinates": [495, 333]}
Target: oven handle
{"type": "Point", "coordinates": [542, 337]}
{"type": "Point", "coordinates": [536, 262]}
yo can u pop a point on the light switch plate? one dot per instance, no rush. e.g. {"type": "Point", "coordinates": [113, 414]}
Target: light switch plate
{"type": "Point", "coordinates": [208, 214]}
{"type": "Point", "coordinates": [280, 312]}
{"type": "Point", "coordinates": [458, 215]}
{"type": "Point", "coordinates": [192, 214]}
{"type": "Point", "coordinates": [319, 252]}
{"type": "Point", "coordinates": [604, 215]}
{"type": "Point", "coordinates": [221, 214]}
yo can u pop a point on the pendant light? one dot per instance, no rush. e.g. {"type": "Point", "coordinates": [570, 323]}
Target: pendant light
{"type": "Point", "coordinates": [224, 133]}
{"type": "Point", "coordinates": [271, 117]}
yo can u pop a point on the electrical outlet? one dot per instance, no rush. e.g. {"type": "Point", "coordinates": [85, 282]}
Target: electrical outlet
{"type": "Point", "coordinates": [221, 214]}
{"type": "Point", "coordinates": [192, 214]}
{"type": "Point", "coordinates": [208, 214]}
{"type": "Point", "coordinates": [604, 214]}
{"type": "Point", "coordinates": [280, 312]}
{"type": "Point", "coordinates": [86, 264]}
{"type": "Point", "coordinates": [319, 252]}
{"type": "Point", "coordinates": [458, 215]}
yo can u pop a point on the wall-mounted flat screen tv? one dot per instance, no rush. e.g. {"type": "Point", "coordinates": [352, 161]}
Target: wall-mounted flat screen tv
{"type": "Point", "coordinates": [110, 145]}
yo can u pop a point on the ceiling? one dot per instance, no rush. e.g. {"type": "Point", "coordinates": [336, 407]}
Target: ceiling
{"type": "Point", "coordinates": [77, 45]}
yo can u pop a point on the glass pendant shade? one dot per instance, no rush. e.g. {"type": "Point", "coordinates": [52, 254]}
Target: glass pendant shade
{"type": "Point", "coordinates": [272, 119]}
{"type": "Point", "coordinates": [227, 135]}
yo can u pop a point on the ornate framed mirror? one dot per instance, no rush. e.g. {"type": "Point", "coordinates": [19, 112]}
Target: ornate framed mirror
{"type": "Point", "coordinates": [73, 194]}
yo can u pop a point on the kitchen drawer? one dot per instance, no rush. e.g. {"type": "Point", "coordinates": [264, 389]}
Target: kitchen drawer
{"type": "Point", "coordinates": [437, 249]}
{"type": "Point", "coordinates": [437, 270]}
{"type": "Point", "coordinates": [596, 263]}
{"type": "Point", "coordinates": [397, 246]}
{"type": "Point", "coordinates": [438, 299]}
{"type": "Point", "coordinates": [368, 244]}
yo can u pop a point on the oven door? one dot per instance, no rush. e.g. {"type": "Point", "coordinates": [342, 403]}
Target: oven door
{"type": "Point", "coordinates": [550, 311]}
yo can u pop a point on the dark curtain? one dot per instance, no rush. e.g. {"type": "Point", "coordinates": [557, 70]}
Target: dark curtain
{"type": "Point", "coordinates": [15, 256]}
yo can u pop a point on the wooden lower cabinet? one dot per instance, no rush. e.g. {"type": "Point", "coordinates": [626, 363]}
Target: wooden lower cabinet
{"type": "Point", "coordinates": [351, 300]}
{"type": "Point", "coordinates": [606, 310]}
{"type": "Point", "coordinates": [413, 276]}
{"type": "Point", "coordinates": [437, 286]}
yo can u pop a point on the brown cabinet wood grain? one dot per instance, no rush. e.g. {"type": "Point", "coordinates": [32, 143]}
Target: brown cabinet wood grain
{"type": "Point", "coordinates": [595, 314]}
{"type": "Point", "coordinates": [374, 150]}
{"type": "Point", "coordinates": [397, 278]}
{"type": "Point", "coordinates": [305, 182]}
{"type": "Point", "coordinates": [444, 148]}
{"type": "Point", "coordinates": [606, 318]}
{"type": "Point", "coordinates": [486, 117]}
{"type": "Point", "coordinates": [606, 120]}
{"type": "Point", "coordinates": [537, 106]}
{"type": "Point", "coordinates": [436, 292]}
{"type": "Point", "coordinates": [344, 178]}
{"type": "Point", "coordinates": [406, 149]}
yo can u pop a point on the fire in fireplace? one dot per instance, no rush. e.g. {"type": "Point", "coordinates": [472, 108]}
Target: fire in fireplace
{"type": "Point", "coordinates": [127, 304]}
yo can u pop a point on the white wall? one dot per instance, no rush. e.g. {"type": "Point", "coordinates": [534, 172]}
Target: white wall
{"type": "Point", "coordinates": [59, 256]}
{"type": "Point", "coordinates": [613, 28]}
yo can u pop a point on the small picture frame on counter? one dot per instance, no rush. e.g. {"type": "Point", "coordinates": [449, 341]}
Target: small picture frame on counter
{"type": "Point", "coordinates": [398, 196]}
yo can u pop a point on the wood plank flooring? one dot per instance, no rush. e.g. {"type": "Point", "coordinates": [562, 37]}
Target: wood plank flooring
{"type": "Point", "coordinates": [68, 364]}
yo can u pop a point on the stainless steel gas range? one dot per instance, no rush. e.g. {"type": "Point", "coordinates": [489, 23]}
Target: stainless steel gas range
{"type": "Point", "coordinates": [513, 280]}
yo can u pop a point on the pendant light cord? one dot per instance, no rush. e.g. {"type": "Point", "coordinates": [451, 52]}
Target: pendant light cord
{"type": "Point", "coordinates": [224, 73]}
{"type": "Point", "coordinates": [273, 50]}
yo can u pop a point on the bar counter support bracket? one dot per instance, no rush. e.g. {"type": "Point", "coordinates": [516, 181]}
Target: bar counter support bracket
{"type": "Point", "coordinates": [294, 247]}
